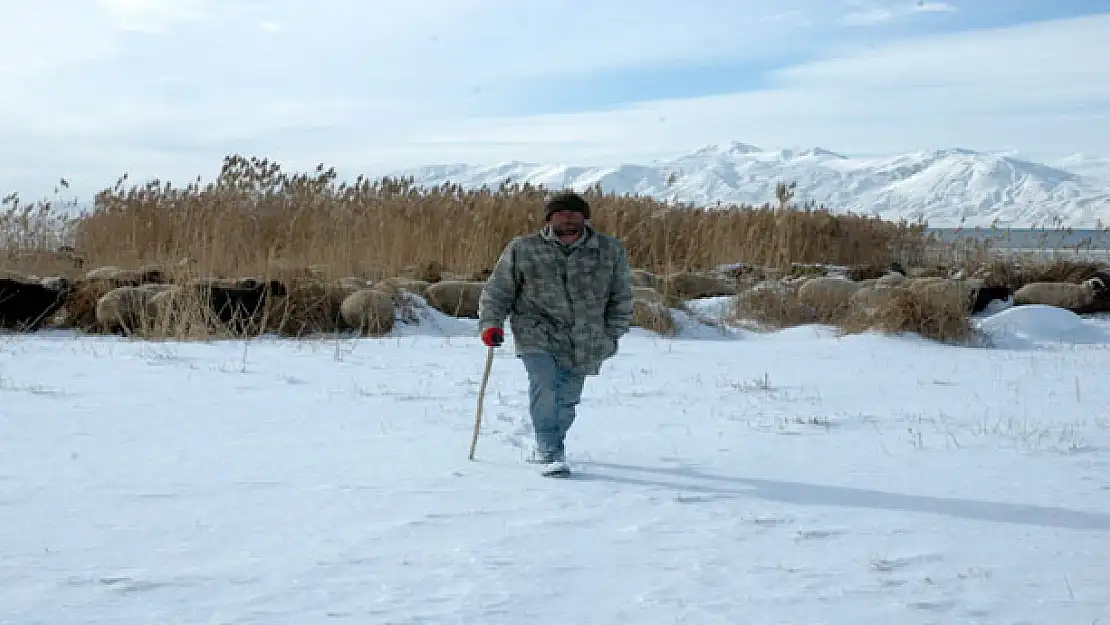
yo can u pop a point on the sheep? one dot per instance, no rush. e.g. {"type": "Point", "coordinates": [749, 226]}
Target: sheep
{"type": "Point", "coordinates": [126, 277]}
{"type": "Point", "coordinates": [869, 299]}
{"type": "Point", "coordinates": [455, 297]}
{"type": "Point", "coordinates": [646, 279]}
{"type": "Point", "coordinates": [398, 285]}
{"type": "Point", "coordinates": [686, 285]}
{"type": "Point", "coordinates": [926, 272]}
{"type": "Point", "coordinates": [481, 275]}
{"type": "Point", "coordinates": [961, 291]}
{"type": "Point", "coordinates": [65, 255]}
{"type": "Point", "coordinates": [123, 310]}
{"type": "Point", "coordinates": [25, 304]}
{"type": "Point", "coordinates": [826, 295]}
{"type": "Point", "coordinates": [1090, 296]}
{"type": "Point", "coordinates": [654, 317]}
{"type": "Point", "coordinates": [984, 295]}
{"type": "Point", "coordinates": [645, 294]}
{"type": "Point", "coordinates": [431, 271]}
{"type": "Point", "coordinates": [353, 283]}
{"type": "Point", "coordinates": [241, 303]}
{"type": "Point", "coordinates": [974, 292]}
{"type": "Point", "coordinates": [891, 279]}
{"type": "Point", "coordinates": [369, 311]}
{"type": "Point", "coordinates": [872, 272]}
{"type": "Point", "coordinates": [164, 307]}
{"type": "Point", "coordinates": [918, 284]}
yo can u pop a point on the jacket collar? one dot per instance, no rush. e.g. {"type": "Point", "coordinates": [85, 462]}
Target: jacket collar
{"type": "Point", "coordinates": [587, 238]}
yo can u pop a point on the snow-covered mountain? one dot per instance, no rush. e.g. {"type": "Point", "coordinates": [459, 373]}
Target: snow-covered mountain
{"type": "Point", "coordinates": [1085, 165]}
{"type": "Point", "coordinates": [942, 187]}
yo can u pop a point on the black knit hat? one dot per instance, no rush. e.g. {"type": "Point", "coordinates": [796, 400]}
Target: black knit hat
{"type": "Point", "coordinates": [565, 201]}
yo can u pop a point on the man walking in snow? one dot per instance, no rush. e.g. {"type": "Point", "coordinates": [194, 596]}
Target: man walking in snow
{"type": "Point", "coordinates": [567, 290]}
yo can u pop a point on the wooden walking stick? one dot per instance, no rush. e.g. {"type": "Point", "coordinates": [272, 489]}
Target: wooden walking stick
{"type": "Point", "coordinates": [481, 399]}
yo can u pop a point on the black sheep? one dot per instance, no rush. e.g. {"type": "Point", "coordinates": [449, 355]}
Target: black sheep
{"type": "Point", "coordinates": [25, 305]}
{"type": "Point", "coordinates": [986, 294]}
{"type": "Point", "coordinates": [236, 306]}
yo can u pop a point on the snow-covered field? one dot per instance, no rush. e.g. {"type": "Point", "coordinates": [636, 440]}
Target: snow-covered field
{"type": "Point", "coordinates": [793, 477]}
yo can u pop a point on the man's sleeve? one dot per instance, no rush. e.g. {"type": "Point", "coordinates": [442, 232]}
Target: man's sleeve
{"type": "Point", "coordinates": [500, 290]}
{"type": "Point", "coordinates": [618, 310]}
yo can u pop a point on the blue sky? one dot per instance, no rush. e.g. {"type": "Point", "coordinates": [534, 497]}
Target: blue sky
{"type": "Point", "coordinates": [166, 88]}
{"type": "Point", "coordinates": [812, 37]}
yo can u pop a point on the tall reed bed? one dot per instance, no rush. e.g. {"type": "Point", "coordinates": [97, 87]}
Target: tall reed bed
{"type": "Point", "coordinates": [255, 217]}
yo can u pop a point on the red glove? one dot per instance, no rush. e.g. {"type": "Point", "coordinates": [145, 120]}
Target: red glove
{"type": "Point", "coordinates": [493, 337]}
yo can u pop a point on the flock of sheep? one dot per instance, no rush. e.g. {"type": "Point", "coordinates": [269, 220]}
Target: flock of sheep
{"type": "Point", "coordinates": [835, 291]}
{"type": "Point", "coordinates": [148, 302]}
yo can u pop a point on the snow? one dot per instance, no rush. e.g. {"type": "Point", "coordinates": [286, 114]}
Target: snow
{"type": "Point", "coordinates": [721, 477]}
{"type": "Point", "coordinates": [946, 188]}
{"type": "Point", "coordinates": [1037, 326]}
{"type": "Point", "coordinates": [1096, 167]}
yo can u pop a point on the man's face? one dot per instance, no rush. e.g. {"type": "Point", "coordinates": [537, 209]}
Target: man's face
{"type": "Point", "coordinates": [566, 223]}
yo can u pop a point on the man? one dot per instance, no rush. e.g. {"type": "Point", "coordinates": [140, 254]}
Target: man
{"type": "Point", "coordinates": [568, 290]}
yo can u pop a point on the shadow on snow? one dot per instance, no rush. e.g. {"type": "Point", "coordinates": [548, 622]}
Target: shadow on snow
{"type": "Point", "coordinates": [691, 480]}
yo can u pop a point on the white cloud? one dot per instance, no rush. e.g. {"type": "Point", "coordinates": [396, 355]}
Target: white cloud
{"type": "Point", "coordinates": [40, 36]}
{"type": "Point", "coordinates": [867, 13]}
{"type": "Point", "coordinates": [933, 7]}
{"type": "Point", "coordinates": [867, 16]}
{"type": "Point", "coordinates": [166, 88]}
{"type": "Point", "coordinates": [152, 16]}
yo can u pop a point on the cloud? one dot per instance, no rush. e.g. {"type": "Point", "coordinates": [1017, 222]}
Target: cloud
{"type": "Point", "coordinates": [872, 13]}
{"type": "Point", "coordinates": [933, 7]}
{"type": "Point", "coordinates": [867, 16]}
{"type": "Point", "coordinates": [166, 88]}
{"type": "Point", "coordinates": [152, 16]}
{"type": "Point", "coordinates": [41, 36]}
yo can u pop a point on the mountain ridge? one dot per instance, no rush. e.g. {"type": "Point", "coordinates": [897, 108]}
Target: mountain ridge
{"type": "Point", "coordinates": [946, 187]}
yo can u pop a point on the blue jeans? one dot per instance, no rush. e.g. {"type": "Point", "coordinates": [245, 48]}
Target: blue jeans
{"type": "Point", "coordinates": [553, 393]}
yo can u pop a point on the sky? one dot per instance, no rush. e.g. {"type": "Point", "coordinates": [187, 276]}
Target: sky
{"type": "Point", "coordinates": [164, 89]}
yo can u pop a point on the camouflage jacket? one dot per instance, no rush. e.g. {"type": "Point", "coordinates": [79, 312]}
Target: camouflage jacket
{"type": "Point", "coordinates": [572, 301]}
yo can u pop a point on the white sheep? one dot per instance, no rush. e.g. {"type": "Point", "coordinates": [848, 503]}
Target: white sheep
{"type": "Point", "coordinates": [458, 298]}
{"type": "Point", "coordinates": [126, 309]}
{"type": "Point", "coordinates": [826, 292]}
{"type": "Point", "coordinates": [369, 311]}
{"type": "Point", "coordinates": [870, 299]}
{"type": "Point", "coordinates": [962, 292]}
{"type": "Point", "coordinates": [891, 279]}
{"type": "Point", "coordinates": [646, 294]}
{"type": "Point", "coordinates": [689, 285]}
{"type": "Point", "coordinates": [163, 307]}
{"type": "Point", "coordinates": [645, 278]}
{"type": "Point", "coordinates": [918, 285]}
{"type": "Point", "coordinates": [1086, 297]}
{"type": "Point", "coordinates": [353, 283]}
{"type": "Point", "coordinates": [126, 277]}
